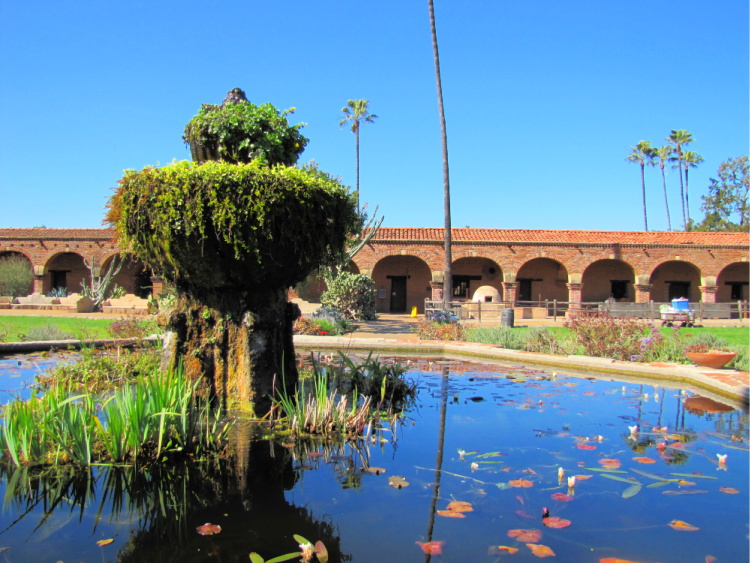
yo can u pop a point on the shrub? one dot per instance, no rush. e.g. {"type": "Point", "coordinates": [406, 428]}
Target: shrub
{"type": "Point", "coordinates": [504, 336]}
{"type": "Point", "coordinates": [607, 337]}
{"type": "Point", "coordinates": [543, 341]}
{"type": "Point", "coordinates": [16, 276]}
{"type": "Point", "coordinates": [132, 327]}
{"type": "Point", "coordinates": [432, 330]}
{"type": "Point", "coordinates": [353, 295]}
{"type": "Point", "coordinates": [45, 333]}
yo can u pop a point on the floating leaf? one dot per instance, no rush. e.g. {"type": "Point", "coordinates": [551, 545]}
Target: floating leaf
{"type": "Point", "coordinates": [644, 459]}
{"type": "Point", "coordinates": [208, 529]}
{"type": "Point", "coordinates": [672, 493]}
{"type": "Point", "coordinates": [651, 475]}
{"type": "Point", "coordinates": [583, 477]}
{"type": "Point", "coordinates": [450, 514]}
{"type": "Point", "coordinates": [398, 482]}
{"type": "Point", "coordinates": [460, 506]}
{"type": "Point", "coordinates": [683, 526]}
{"type": "Point", "coordinates": [693, 475]}
{"type": "Point", "coordinates": [524, 514]}
{"type": "Point", "coordinates": [556, 522]}
{"type": "Point", "coordinates": [623, 479]}
{"type": "Point", "coordinates": [615, 560]}
{"type": "Point", "coordinates": [521, 483]}
{"type": "Point", "coordinates": [375, 470]}
{"type": "Point", "coordinates": [501, 549]}
{"type": "Point", "coordinates": [562, 497]}
{"type": "Point", "coordinates": [631, 491]}
{"type": "Point", "coordinates": [519, 498]}
{"type": "Point", "coordinates": [526, 536]}
{"type": "Point", "coordinates": [609, 463]}
{"type": "Point", "coordinates": [255, 558]}
{"type": "Point", "coordinates": [657, 484]}
{"type": "Point", "coordinates": [540, 550]}
{"type": "Point", "coordinates": [432, 547]}
{"type": "Point", "coordinates": [586, 447]}
{"type": "Point", "coordinates": [101, 543]}
{"type": "Point", "coordinates": [710, 559]}
{"type": "Point", "coordinates": [729, 490]}
{"type": "Point", "coordinates": [321, 552]}
{"type": "Point", "coordinates": [600, 470]}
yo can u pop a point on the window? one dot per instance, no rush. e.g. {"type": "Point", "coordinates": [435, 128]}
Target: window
{"type": "Point", "coordinates": [461, 285]}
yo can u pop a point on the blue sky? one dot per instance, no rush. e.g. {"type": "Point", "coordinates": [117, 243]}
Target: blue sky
{"type": "Point", "coordinates": [543, 100]}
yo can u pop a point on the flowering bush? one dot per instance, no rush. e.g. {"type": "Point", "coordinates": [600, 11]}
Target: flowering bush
{"type": "Point", "coordinates": [431, 330]}
{"type": "Point", "coordinates": [608, 337]}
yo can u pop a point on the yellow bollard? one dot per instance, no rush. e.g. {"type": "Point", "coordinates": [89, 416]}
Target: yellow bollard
{"type": "Point", "coordinates": [413, 312]}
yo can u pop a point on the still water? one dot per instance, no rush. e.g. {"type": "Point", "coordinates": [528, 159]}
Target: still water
{"type": "Point", "coordinates": [493, 436]}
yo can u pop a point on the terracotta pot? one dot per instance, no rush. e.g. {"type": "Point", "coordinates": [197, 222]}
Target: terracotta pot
{"type": "Point", "coordinates": [715, 360]}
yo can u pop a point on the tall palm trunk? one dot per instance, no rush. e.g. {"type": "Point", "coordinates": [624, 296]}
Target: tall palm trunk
{"type": "Point", "coordinates": [666, 201]}
{"type": "Point", "coordinates": [643, 184]}
{"type": "Point", "coordinates": [682, 187]}
{"type": "Point", "coordinates": [448, 281]}
{"type": "Point", "coordinates": [357, 135]}
{"type": "Point", "coordinates": [687, 201]}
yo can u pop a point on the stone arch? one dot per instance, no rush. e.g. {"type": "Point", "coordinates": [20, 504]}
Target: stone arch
{"type": "Point", "coordinates": [6, 255]}
{"type": "Point", "coordinates": [608, 278]}
{"type": "Point", "coordinates": [542, 279]}
{"type": "Point", "coordinates": [732, 283]}
{"type": "Point", "coordinates": [673, 279]}
{"type": "Point", "coordinates": [353, 268]}
{"type": "Point", "coordinates": [471, 272]}
{"type": "Point", "coordinates": [65, 270]}
{"type": "Point", "coordinates": [402, 282]}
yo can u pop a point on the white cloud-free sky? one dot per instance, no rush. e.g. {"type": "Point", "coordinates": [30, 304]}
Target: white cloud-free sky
{"type": "Point", "coordinates": [543, 100]}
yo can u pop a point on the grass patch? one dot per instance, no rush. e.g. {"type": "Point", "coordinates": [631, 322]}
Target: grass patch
{"type": "Point", "coordinates": [16, 329]}
{"type": "Point", "coordinates": [738, 336]}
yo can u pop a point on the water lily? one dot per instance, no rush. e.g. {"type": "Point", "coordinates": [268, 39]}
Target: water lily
{"type": "Point", "coordinates": [633, 430]}
{"type": "Point", "coordinates": [560, 473]}
{"type": "Point", "coordinates": [722, 459]}
{"type": "Point", "coordinates": [307, 551]}
{"type": "Point", "coordinates": [571, 482]}
{"type": "Point", "coordinates": [461, 454]}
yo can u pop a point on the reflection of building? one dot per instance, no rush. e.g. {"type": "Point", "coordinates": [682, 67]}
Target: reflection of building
{"type": "Point", "coordinates": [522, 265]}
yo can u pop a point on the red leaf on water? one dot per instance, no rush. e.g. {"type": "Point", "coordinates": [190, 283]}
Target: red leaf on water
{"type": "Point", "coordinates": [102, 543]}
{"type": "Point", "coordinates": [710, 559]}
{"type": "Point", "coordinates": [521, 483]}
{"type": "Point", "coordinates": [500, 549]}
{"type": "Point", "coordinates": [556, 522]}
{"type": "Point", "coordinates": [460, 506]}
{"type": "Point", "coordinates": [583, 477]}
{"type": "Point", "coordinates": [540, 550]}
{"type": "Point", "coordinates": [615, 560]}
{"type": "Point", "coordinates": [524, 514]}
{"type": "Point", "coordinates": [450, 514]}
{"type": "Point", "coordinates": [683, 526]}
{"type": "Point", "coordinates": [526, 536]}
{"type": "Point", "coordinates": [609, 463]}
{"type": "Point", "coordinates": [432, 547]}
{"type": "Point", "coordinates": [208, 529]}
{"type": "Point", "coordinates": [729, 490]}
{"type": "Point", "coordinates": [562, 497]}
{"type": "Point", "coordinates": [586, 447]}
{"type": "Point", "coordinates": [644, 459]}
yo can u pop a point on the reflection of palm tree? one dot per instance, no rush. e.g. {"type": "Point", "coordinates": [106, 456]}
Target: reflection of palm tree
{"type": "Point", "coordinates": [448, 281]}
{"type": "Point", "coordinates": [439, 459]}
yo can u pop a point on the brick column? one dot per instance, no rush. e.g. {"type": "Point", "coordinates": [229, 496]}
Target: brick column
{"type": "Point", "coordinates": [157, 285]}
{"type": "Point", "coordinates": [39, 284]}
{"type": "Point", "coordinates": [643, 292]}
{"type": "Point", "coordinates": [437, 291]}
{"type": "Point", "coordinates": [510, 292]}
{"type": "Point", "coordinates": [708, 293]}
{"type": "Point", "coordinates": [574, 295]}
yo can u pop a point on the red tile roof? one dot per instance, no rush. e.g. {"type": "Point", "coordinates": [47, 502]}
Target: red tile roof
{"type": "Point", "coordinates": [548, 236]}
{"type": "Point", "coordinates": [57, 234]}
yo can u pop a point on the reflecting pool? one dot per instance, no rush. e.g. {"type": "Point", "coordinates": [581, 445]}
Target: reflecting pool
{"type": "Point", "coordinates": [501, 440]}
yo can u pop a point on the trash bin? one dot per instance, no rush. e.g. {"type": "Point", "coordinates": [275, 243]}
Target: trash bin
{"type": "Point", "coordinates": [681, 304]}
{"type": "Point", "coordinates": [507, 317]}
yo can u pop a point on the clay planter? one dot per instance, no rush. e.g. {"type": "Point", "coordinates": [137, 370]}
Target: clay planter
{"type": "Point", "coordinates": [714, 361]}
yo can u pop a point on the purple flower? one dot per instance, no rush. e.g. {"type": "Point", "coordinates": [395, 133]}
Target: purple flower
{"type": "Point", "coordinates": [635, 358]}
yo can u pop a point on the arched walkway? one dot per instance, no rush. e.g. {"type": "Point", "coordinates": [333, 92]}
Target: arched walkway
{"type": "Point", "coordinates": [542, 279]}
{"type": "Point", "coordinates": [608, 278]}
{"type": "Point", "coordinates": [732, 283]}
{"type": "Point", "coordinates": [675, 279]}
{"type": "Point", "coordinates": [471, 273]}
{"type": "Point", "coordinates": [134, 277]}
{"type": "Point", "coordinates": [402, 282]}
{"type": "Point", "coordinates": [65, 271]}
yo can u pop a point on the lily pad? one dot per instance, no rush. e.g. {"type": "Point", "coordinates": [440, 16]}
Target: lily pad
{"type": "Point", "coordinates": [398, 482]}
{"type": "Point", "coordinates": [102, 543]}
{"type": "Point", "coordinates": [208, 529]}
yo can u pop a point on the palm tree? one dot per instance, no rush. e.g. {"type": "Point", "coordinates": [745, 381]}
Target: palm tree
{"type": "Point", "coordinates": [356, 112]}
{"type": "Point", "coordinates": [690, 159]}
{"type": "Point", "coordinates": [663, 153]}
{"type": "Point", "coordinates": [644, 154]}
{"type": "Point", "coordinates": [448, 281]}
{"type": "Point", "coordinates": [679, 139]}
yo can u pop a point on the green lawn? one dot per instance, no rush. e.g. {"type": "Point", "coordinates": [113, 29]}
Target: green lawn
{"type": "Point", "coordinates": [12, 328]}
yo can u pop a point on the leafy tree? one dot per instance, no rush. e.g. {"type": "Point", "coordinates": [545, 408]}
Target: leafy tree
{"type": "Point", "coordinates": [448, 281]}
{"type": "Point", "coordinates": [690, 160]}
{"type": "Point", "coordinates": [663, 153]}
{"type": "Point", "coordinates": [644, 154]}
{"type": "Point", "coordinates": [679, 138]}
{"type": "Point", "coordinates": [726, 203]}
{"type": "Point", "coordinates": [16, 276]}
{"type": "Point", "coordinates": [356, 112]}
{"type": "Point", "coordinates": [231, 238]}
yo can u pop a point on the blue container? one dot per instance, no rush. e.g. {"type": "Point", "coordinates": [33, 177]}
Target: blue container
{"type": "Point", "coordinates": [681, 304]}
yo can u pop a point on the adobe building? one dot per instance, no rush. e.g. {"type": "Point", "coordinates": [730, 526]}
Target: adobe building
{"type": "Point", "coordinates": [513, 266]}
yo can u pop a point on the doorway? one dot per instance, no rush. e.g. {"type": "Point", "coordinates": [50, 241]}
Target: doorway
{"type": "Point", "coordinates": [398, 294]}
{"type": "Point", "coordinates": [679, 290]}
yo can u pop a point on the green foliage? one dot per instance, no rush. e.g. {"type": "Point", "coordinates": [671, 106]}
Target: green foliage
{"type": "Point", "coordinates": [607, 337]}
{"type": "Point", "coordinates": [219, 225]}
{"type": "Point", "coordinates": [353, 295]}
{"type": "Point", "coordinates": [16, 276]}
{"type": "Point", "coordinates": [726, 205]}
{"type": "Point", "coordinates": [18, 327]}
{"type": "Point", "coordinates": [384, 383]}
{"type": "Point", "coordinates": [45, 333]}
{"type": "Point", "coordinates": [239, 131]}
